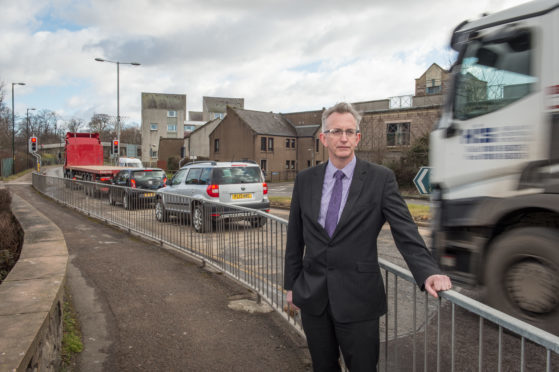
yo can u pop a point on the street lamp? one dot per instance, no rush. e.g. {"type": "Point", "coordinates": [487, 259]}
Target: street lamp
{"type": "Point", "coordinates": [14, 131]}
{"type": "Point", "coordinates": [118, 63]}
{"type": "Point", "coordinates": [27, 133]}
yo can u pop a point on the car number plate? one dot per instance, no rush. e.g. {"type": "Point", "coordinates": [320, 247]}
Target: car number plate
{"type": "Point", "coordinates": [149, 194]}
{"type": "Point", "coordinates": [241, 196]}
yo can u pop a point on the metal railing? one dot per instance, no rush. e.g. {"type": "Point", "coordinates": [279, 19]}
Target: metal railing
{"type": "Point", "coordinates": [454, 332]}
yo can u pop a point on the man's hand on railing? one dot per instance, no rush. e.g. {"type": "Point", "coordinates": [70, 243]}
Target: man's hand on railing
{"type": "Point", "coordinates": [436, 283]}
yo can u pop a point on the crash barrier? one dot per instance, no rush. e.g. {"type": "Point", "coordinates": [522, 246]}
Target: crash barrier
{"type": "Point", "coordinates": [454, 332]}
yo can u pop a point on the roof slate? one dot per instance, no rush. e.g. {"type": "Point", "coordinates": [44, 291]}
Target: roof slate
{"type": "Point", "coordinates": [266, 123]}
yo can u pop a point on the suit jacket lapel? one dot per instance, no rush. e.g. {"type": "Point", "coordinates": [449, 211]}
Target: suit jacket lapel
{"type": "Point", "coordinates": [353, 194]}
{"type": "Point", "coordinates": [316, 190]}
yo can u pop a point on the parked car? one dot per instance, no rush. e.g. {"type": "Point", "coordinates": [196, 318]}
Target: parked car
{"type": "Point", "coordinates": [136, 186]}
{"type": "Point", "coordinates": [198, 183]}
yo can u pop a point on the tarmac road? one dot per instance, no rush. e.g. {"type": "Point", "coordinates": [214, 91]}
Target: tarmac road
{"type": "Point", "coordinates": [144, 309]}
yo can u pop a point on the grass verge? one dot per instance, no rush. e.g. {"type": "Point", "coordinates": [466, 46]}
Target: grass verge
{"type": "Point", "coordinates": [72, 337]}
{"type": "Point", "coordinates": [17, 175]}
{"type": "Point", "coordinates": [419, 212]}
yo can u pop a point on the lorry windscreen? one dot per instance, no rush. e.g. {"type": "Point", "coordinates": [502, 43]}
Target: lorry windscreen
{"type": "Point", "coordinates": [493, 73]}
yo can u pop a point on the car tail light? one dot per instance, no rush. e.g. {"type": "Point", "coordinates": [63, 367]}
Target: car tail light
{"type": "Point", "coordinates": [165, 181]}
{"type": "Point", "coordinates": [104, 179]}
{"type": "Point", "coordinates": [265, 188]}
{"type": "Point", "coordinates": [213, 191]}
{"type": "Point", "coordinates": [133, 183]}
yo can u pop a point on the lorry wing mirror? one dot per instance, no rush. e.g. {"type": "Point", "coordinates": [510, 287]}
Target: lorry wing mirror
{"type": "Point", "coordinates": [452, 130]}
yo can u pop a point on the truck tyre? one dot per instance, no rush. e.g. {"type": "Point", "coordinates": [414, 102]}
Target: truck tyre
{"type": "Point", "coordinates": [161, 214]}
{"type": "Point", "coordinates": [522, 275]}
{"type": "Point", "coordinates": [199, 219]}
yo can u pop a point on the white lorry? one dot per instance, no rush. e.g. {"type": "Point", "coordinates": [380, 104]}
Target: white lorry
{"type": "Point", "coordinates": [495, 162]}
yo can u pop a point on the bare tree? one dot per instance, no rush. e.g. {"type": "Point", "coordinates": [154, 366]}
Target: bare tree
{"type": "Point", "coordinates": [102, 124]}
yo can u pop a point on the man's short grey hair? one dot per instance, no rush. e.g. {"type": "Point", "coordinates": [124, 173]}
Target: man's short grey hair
{"type": "Point", "coordinates": [341, 108]}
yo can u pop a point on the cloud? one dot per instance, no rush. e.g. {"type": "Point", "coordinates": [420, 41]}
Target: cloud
{"type": "Point", "coordinates": [279, 55]}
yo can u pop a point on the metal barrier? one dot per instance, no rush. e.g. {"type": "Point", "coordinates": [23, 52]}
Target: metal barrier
{"type": "Point", "coordinates": [249, 246]}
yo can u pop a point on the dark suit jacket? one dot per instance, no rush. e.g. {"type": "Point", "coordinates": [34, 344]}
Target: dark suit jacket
{"type": "Point", "coordinates": [344, 270]}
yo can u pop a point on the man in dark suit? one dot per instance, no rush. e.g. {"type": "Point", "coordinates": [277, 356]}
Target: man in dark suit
{"type": "Point", "coordinates": [331, 261]}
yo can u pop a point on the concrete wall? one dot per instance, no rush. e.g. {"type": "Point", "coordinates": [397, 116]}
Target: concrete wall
{"type": "Point", "coordinates": [31, 297]}
{"type": "Point", "coordinates": [198, 143]}
{"type": "Point", "coordinates": [154, 110]}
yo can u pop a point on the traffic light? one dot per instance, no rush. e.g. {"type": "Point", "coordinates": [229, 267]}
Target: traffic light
{"type": "Point", "coordinates": [115, 147]}
{"type": "Point", "coordinates": [33, 144]}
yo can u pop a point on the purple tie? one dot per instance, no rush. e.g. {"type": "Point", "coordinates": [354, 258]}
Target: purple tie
{"type": "Point", "coordinates": [334, 205]}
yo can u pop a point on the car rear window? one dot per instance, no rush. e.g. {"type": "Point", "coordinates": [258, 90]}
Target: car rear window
{"type": "Point", "coordinates": [145, 175]}
{"type": "Point", "coordinates": [231, 175]}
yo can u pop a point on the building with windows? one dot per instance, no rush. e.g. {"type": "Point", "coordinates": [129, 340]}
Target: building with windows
{"type": "Point", "coordinates": [277, 145]}
{"type": "Point", "coordinates": [163, 116]}
{"type": "Point", "coordinates": [390, 126]}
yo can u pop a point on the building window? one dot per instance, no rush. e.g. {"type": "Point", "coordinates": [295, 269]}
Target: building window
{"type": "Point", "coordinates": [216, 145]}
{"type": "Point", "coordinates": [153, 153]}
{"type": "Point", "coordinates": [293, 143]}
{"type": "Point", "coordinates": [270, 144]}
{"type": "Point", "coordinates": [263, 144]}
{"type": "Point", "coordinates": [434, 90]}
{"type": "Point", "coordinates": [171, 114]}
{"type": "Point", "coordinates": [317, 145]}
{"type": "Point", "coordinates": [287, 142]}
{"type": "Point", "coordinates": [308, 163]}
{"type": "Point", "coordinates": [397, 134]}
{"type": "Point", "coordinates": [189, 128]}
{"type": "Point", "coordinates": [287, 164]}
{"type": "Point", "coordinates": [171, 127]}
{"type": "Point", "coordinates": [217, 115]}
{"type": "Point", "coordinates": [263, 164]}
{"type": "Point", "coordinates": [153, 126]}
{"type": "Point", "coordinates": [292, 164]}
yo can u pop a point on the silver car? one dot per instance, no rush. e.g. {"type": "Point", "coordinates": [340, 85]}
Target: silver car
{"type": "Point", "coordinates": [198, 183]}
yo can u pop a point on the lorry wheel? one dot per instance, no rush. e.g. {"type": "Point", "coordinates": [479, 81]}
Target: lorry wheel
{"type": "Point", "coordinates": [198, 219]}
{"type": "Point", "coordinates": [522, 275]}
{"type": "Point", "coordinates": [161, 214]}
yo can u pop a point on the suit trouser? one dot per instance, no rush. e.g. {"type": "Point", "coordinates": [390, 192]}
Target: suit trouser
{"type": "Point", "coordinates": [358, 341]}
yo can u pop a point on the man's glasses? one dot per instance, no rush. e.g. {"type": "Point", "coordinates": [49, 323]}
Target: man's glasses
{"type": "Point", "coordinates": [349, 133]}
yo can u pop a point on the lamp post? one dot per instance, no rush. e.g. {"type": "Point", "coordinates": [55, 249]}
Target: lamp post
{"type": "Point", "coordinates": [118, 63]}
{"type": "Point", "coordinates": [14, 131]}
{"type": "Point", "coordinates": [27, 133]}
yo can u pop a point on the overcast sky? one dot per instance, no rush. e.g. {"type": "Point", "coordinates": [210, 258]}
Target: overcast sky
{"type": "Point", "coordinates": [280, 56]}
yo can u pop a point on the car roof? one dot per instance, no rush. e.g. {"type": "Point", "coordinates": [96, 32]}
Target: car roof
{"type": "Point", "coordinates": [221, 164]}
{"type": "Point", "coordinates": [141, 169]}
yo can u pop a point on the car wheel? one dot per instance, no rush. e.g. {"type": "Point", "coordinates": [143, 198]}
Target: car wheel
{"type": "Point", "coordinates": [522, 275]}
{"type": "Point", "coordinates": [198, 218]}
{"type": "Point", "coordinates": [258, 221]}
{"type": "Point", "coordinates": [161, 214]}
{"type": "Point", "coordinates": [112, 200]}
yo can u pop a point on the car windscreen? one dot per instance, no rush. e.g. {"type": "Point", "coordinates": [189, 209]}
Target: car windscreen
{"type": "Point", "coordinates": [146, 175]}
{"type": "Point", "coordinates": [232, 175]}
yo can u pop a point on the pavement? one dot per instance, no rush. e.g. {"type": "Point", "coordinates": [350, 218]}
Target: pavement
{"type": "Point", "coordinates": [144, 308]}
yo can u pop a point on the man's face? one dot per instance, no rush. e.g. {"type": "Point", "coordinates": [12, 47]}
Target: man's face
{"type": "Point", "coordinates": [340, 148]}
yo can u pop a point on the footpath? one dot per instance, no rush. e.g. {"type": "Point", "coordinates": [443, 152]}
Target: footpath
{"type": "Point", "coordinates": [142, 308]}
